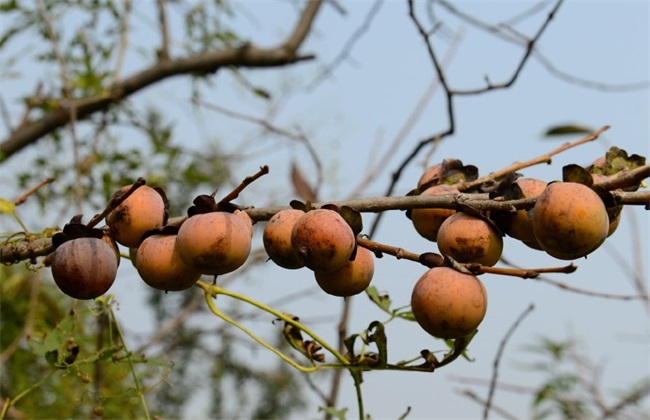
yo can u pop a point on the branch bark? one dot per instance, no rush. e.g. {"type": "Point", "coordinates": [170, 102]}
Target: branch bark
{"type": "Point", "coordinates": [247, 55]}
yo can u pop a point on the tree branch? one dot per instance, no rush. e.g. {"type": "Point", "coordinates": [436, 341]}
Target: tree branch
{"type": "Point", "coordinates": [247, 55]}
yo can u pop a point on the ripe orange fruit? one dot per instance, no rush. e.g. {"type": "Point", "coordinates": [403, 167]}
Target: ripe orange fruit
{"type": "Point", "coordinates": [277, 239]}
{"type": "Point", "coordinates": [351, 279]}
{"type": "Point", "coordinates": [428, 221]}
{"type": "Point", "coordinates": [569, 220]}
{"type": "Point", "coordinates": [614, 212]}
{"type": "Point", "coordinates": [142, 211]}
{"type": "Point", "coordinates": [448, 304]}
{"type": "Point", "coordinates": [469, 239]}
{"type": "Point", "coordinates": [520, 224]}
{"type": "Point", "coordinates": [323, 240]}
{"type": "Point", "coordinates": [160, 265]}
{"type": "Point", "coordinates": [214, 243]}
{"type": "Point", "coordinates": [84, 268]}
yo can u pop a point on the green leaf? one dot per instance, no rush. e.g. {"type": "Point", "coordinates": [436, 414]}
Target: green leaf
{"type": "Point", "coordinates": [7, 206]}
{"type": "Point", "coordinates": [383, 301]}
{"type": "Point", "coordinates": [561, 130]}
{"type": "Point", "coordinates": [332, 411]}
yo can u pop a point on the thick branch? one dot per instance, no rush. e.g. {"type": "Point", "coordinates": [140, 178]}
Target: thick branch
{"type": "Point", "coordinates": [244, 56]}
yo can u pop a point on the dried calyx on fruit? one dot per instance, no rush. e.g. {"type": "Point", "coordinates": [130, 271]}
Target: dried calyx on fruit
{"type": "Point", "coordinates": [214, 239]}
{"type": "Point", "coordinates": [84, 262]}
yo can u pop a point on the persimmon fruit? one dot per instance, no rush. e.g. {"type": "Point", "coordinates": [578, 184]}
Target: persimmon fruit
{"type": "Point", "coordinates": [84, 268]}
{"type": "Point", "coordinates": [160, 265]}
{"type": "Point", "coordinates": [323, 240]}
{"type": "Point", "coordinates": [519, 225]}
{"type": "Point", "coordinates": [142, 211]}
{"type": "Point", "coordinates": [427, 221]}
{"type": "Point", "coordinates": [613, 212]}
{"type": "Point", "coordinates": [569, 220]}
{"type": "Point", "coordinates": [447, 303]}
{"type": "Point", "coordinates": [351, 279]}
{"type": "Point", "coordinates": [470, 239]}
{"type": "Point", "coordinates": [277, 239]}
{"type": "Point", "coordinates": [214, 243]}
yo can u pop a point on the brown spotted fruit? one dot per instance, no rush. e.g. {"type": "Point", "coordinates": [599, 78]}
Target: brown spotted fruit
{"type": "Point", "coordinates": [323, 240]}
{"type": "Point", "coordinates": [142, 211]}
{"type": "Point", "coordinates": [470, 239]}
{"type": "Point", "coordinates": [448, 304]}
{"type": "Point", "coordinates": [351, 279]}
{"type": "Point", "coordinates": [277, 239]}
{"type": "Point", "coordinates": [569, 220]}
{"type": "Point", "coordinates": [214, 243]}
{"type": "Point", "coordinates": [84, 268]}
{"type": "Point", "coordinates": [160, 265]}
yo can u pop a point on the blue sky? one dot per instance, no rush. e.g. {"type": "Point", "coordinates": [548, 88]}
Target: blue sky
{"type": "Point", "coordinates": [353, 117]}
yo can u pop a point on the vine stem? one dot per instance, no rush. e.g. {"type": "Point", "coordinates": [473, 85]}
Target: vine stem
{"type": "Point", "coordinates": [212, 290]}
{"type": "Point", "coordinates": [11, 401]}
{"type": "Point", "coordinates": [138, 385]}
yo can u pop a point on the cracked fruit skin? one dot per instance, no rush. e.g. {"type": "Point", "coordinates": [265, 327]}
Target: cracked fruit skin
{"type": "Point", "coordinates": [277, 239]}
{"type": "Point", "coordinates": [428, 221]}
{"type": "Point", "coordinates": [351, 279]}
{"type": "Point", "coordinates": [214, 243]}
{"type": "Point", "coordinates": [569, 220]}
{"type": "Point", "coordinates": [142, 211]}
{"type": "Point", "coordinates": [84, 268]}
{"type": "Point", "coordinates": [323, 240]}
{"type": "Point", "coordinates": [161, 266]}
{"type": "Point", "coordinates": [469, 239]}
{"type": "Point", "coordinates": [447, 303]}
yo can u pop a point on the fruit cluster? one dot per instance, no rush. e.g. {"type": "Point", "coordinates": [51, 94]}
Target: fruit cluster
{"type": "Point", "coordinates": [569, 220]}
{"type": "Point", "coordinates": [324, 242]}
{"type": "Point", "coordinates": [215, 239]}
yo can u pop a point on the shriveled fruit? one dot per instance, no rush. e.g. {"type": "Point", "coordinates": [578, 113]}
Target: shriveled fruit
{"type": "Point", "coordinates": [613, 212]}
{"type": "Point", "coordinates": [448, 304]}
{"type": "Point", "coordinates": [142, 211]}
{"type": "Point", "coordinates": [469, 239]}
{"type": "Point", "coordinates": [84, 268]}
{"type": "Point", "coordinates": [160, 265]}
{"type": "Point", "coordinates": [351, 279]}
{"type": "Point", "coordinates": [277, 239]}
{"type": "Point", "coordinates": [428, 221]}
{"type": "Point", "coordinates": [569, 220]}
{"type": "Point", "coordinates": [214, 243]}
{"type": "Point", "coordinates": [520, 224]}
{"type": "Point", "coordinates": [323, 240]}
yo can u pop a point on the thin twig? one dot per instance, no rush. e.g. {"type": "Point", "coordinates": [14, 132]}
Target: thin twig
{"type": "Point", "coordinates": [497, 359]}
{"type": "Point", "coordinates": [20, 200]}
{"type": "Point", "coordinates": [245, 182]}
{"type": "Point", "coordinates": [545, 158]}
